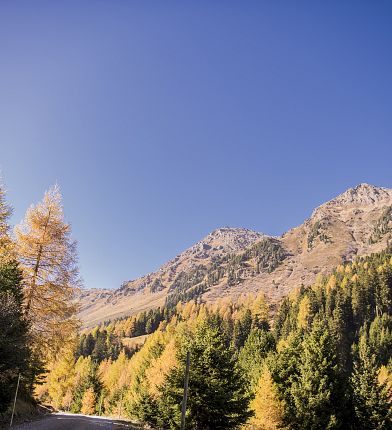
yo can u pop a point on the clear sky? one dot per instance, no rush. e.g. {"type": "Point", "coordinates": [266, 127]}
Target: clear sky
{"type": "Point", "coordinates": [164, 120]}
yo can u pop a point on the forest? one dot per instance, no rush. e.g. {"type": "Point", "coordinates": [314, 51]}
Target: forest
{"type": "Point", "coordinates": [322, 360]}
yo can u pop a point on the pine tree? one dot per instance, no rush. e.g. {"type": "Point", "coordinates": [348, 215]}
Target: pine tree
{"type": "Point", "coordinates": [48, 260]}
{"type": "Point", "coordinates": [371, 399]}
{"type": "Point", "coordinates": [217, 388]}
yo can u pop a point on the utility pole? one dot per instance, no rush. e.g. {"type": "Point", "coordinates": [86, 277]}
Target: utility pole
{"type": "Point", "coordinates": [16, 395]}
{"type": "Point", "coordinates": [186, 382]}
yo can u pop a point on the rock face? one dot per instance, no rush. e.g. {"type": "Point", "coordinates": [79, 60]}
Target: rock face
{"type": "Point", "coordinates": [233, 261]}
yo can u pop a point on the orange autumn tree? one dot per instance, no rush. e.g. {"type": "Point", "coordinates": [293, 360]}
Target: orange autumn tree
{"type": "Point", "coordinates": [48, 260]}
{"type": "Point", "coordinates": [88, 402]}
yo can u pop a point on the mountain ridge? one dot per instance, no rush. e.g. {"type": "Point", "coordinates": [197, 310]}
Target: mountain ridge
{"type": "Point", "coordinates": [231, 261]}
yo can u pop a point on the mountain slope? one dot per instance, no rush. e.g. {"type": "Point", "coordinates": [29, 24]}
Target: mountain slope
{"type": "Point", "coordinates": [233, 261]}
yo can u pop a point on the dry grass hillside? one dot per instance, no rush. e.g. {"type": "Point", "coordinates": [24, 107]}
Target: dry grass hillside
{"type": "Point", "coordinates": [233, 261]}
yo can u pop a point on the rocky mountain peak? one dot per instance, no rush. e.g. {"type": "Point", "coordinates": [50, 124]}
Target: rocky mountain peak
{"type": "Point", "coordinates": [233, 235]}
{"type": "Point", "coordinates": [223, 239]}
{"type": "Point", "coordinates": [363, 194]}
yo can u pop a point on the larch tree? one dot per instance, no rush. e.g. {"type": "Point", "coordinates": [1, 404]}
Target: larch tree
{"type": "Point", "coordinates": [47, 256]}
{"type": "Point", "coordinates": [88, 402]}
{"type": "Point", "coordinates": [61, 378]}
{"type": "Point", "coordinates": [269, 410]}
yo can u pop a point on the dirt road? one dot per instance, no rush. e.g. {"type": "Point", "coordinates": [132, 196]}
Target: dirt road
{"type": "Point", "coordinates": [74, 422]}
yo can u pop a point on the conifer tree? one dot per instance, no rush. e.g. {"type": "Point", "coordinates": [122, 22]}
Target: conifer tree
{"type": "Point", "coordinates": [86, 377]}
{"type": "Point", "coordinates": [61, 378]}
{"type": "Point", "coordinates": [258, 344]}
{"type": "Point", "coordinates": [380, 338]}
{"type": "Point", "coordinates": [217, 388]}
{"type": "Point", "coordinates": [371, 399]}
{"type": "Point", "coordinates": [7, 251]}
{"type": "Point", "coordinates": [48, 260]}
{"type": "Point", "coordinates": [269, 410]}
{"type": "Point", "coordinates": [317, 392]}
{"type": "Point", "coordinates": [14, 352]}
{"type": "Point", "coordinates": [88, 402]}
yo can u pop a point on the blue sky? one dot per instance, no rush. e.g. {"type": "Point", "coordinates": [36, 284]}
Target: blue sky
{"type": "Point", "coordinates": [164, 120]}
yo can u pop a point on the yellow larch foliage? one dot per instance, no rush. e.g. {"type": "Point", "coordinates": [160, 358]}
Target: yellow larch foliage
{"type": "Point", "coordinates": [61, 377]}
{"type": "Point", "coordinates": [115, 374]}
{"type": "Point", "coordinates": [319, 279]}
{"type": "Point", "coordinates": [48, 260]}
{"type": "Point", "coordinates": [331, 284]}
{"type": "Point", "coordinates": [88, 402]}
{"type": "Point", "coordinates": [259, 307]}
{"type": "Point", "coordinates": [380, 269]}
{"type": "Point", "coordinates": [303, 318]}
{"type": "Point", "coordinates": [294, 296]}
{"type": "Point", "coordinates": [384, 376]}
{"type": "Point", "coordinates": [129, 327]}
{"type": "Point", "coordinates": [82, 369]}
{"type": "Point", "coordinates": [348, 269]}
{"type": "Point", "coordinates": [67, 400]}
{"type": "Point", "coordinates": [266, 405]}
{"type": "Point", "coordinates": [345, 282]}
{"type": "Point", "coordinates": [188, 310]}
{"type": "Point", "coordinates": [140, 362]}
{"type": "Point", "coordinates": [203, 313]}
{"type": "Point", "coordinates": [179, 308]}
{"type": "Point", "coordinates": [104, 368]}
{"type": "Point", "coordinates": [160, 367]}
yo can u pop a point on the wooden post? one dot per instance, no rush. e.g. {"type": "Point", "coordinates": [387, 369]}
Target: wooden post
{"type": "Point", "coordinates": [186, 382]}
{"type": "Point", "coordinates": [100, 405]}
{"type": "Point", "coordinates": [121, 400]}
{"type": "Point", "coordinates": [16, 395]}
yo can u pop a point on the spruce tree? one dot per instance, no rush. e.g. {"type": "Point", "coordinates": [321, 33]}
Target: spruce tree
{"type": "Point", "coordinates": [258, 344]}
{"type": "Point", "coordinates": [217, 388]}
{"type": "Point", "coordinates": [371, 400]}
{"type": "Point", "coordinates": [317, 391]}
{"type": "Point", "coordinates": [14, 352]}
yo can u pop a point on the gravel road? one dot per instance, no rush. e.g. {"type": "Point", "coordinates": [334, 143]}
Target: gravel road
{"type": "Point", "coordinates": [74, 422]}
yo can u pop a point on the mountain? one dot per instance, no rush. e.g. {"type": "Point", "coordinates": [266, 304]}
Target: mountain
{"type": "Point", "coordinates": [233, 261]}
